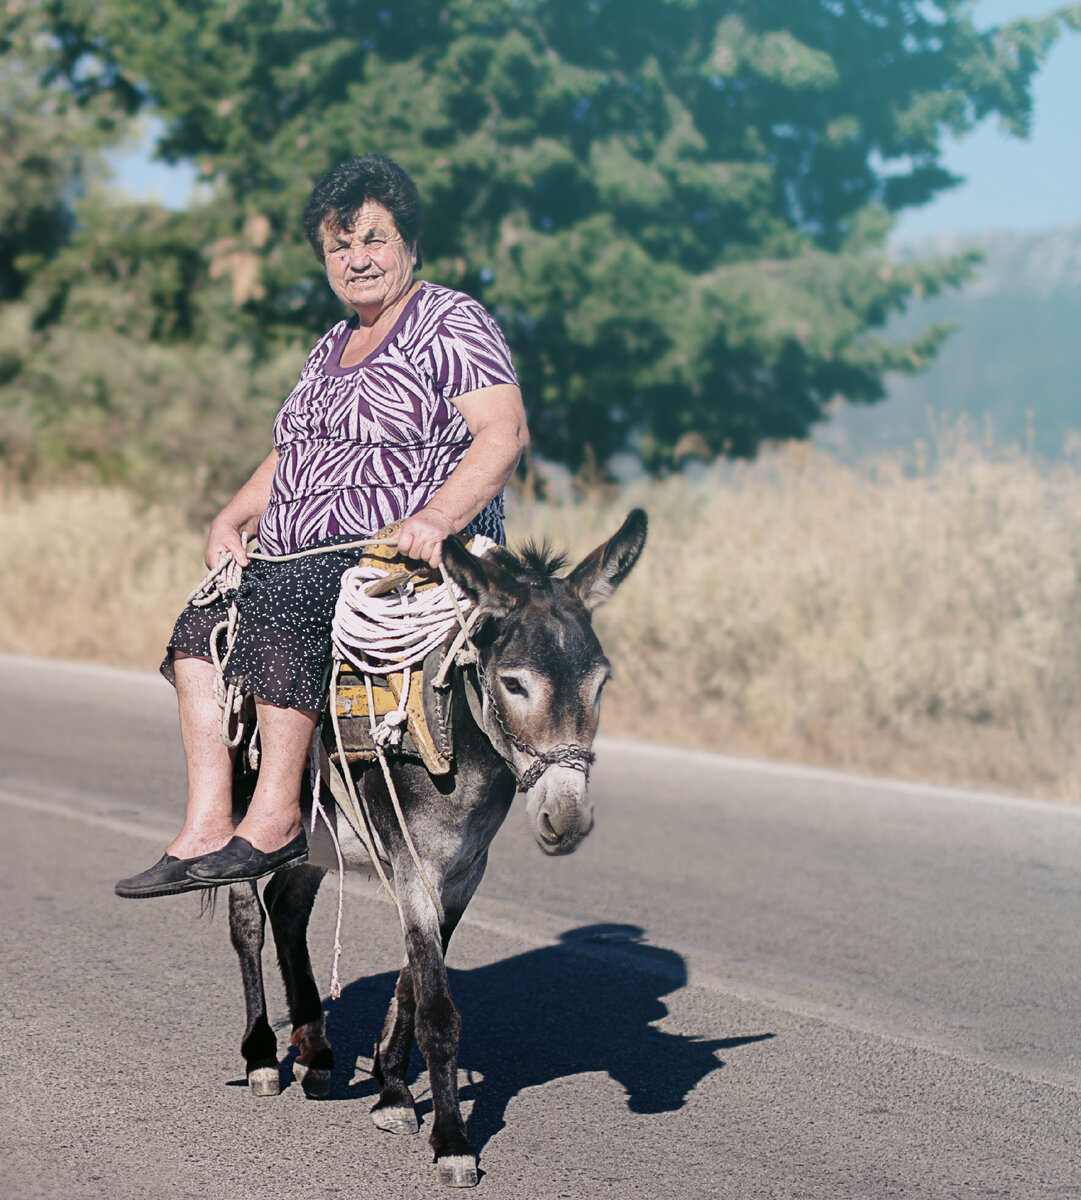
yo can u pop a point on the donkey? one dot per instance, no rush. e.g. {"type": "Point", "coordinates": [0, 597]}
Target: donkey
{"type": "Point", "coordinates": [524, 716]}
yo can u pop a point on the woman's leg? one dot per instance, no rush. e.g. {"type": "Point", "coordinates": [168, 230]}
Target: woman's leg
{"type": "Point", "coordinates": [208, 819]}
{"type": "Point", "coordinates": [285, 737]}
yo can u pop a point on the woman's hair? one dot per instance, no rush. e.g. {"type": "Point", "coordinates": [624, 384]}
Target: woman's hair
{"type": "Point", "coordinates": [344, 188]}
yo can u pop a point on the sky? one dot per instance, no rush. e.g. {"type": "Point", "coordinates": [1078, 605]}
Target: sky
{"type": "Point", "coordinates": [1010, 184]}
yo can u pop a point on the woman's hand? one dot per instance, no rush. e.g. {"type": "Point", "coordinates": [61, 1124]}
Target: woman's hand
{"type": "Point", "coordinates": [421, 536]}
{"type": "Point", "coordinates": [224, 538]}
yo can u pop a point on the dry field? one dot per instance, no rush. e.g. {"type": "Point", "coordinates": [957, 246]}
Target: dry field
{"type": "Point", "coordinates": [924, 623]}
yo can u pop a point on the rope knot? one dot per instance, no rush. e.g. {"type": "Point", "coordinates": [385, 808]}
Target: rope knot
{"type": "Point", "coordinates": [389, 731]}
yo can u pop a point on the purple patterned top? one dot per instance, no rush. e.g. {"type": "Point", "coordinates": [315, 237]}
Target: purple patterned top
{"type": "Point", "coordinates": [366, 445]}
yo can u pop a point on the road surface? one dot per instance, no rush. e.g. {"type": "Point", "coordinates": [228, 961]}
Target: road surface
{"type": "Point", "coordinates": [750, 981]}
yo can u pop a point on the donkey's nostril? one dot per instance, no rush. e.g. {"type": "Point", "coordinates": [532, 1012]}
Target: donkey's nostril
{"type": "Point", "coordinates": [548, 830]}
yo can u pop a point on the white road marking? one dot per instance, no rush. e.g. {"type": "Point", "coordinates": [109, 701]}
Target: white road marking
{"type": "Point", "coordinates": [88, 669]}
{"type": "Point", "coordinates": [139, 825]}
{"type": "Point", "coordinates": [882, 786]}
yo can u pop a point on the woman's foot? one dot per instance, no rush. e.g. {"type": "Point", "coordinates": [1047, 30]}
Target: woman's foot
{"type": "Point", "coordinates": [167, 877]}
{"type": "Point", "coordinates": [241, 862]}
{"type": "Point", "coordinates": [192, 843]}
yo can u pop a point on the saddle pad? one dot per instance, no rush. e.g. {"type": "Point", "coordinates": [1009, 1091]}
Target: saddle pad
{"type": "Point", "coordinates": [353, 720]}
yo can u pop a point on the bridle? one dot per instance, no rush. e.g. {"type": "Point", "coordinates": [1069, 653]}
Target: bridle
{"type": "Point", "coordinates": [463, 651]}
{"type": "Point", "coordinates": [566, 754]}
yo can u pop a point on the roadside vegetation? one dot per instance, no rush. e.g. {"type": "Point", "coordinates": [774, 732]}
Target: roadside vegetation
{"type": "Point", "coordinates": [919, 619]}
{"type": "Point", "coordinates": [678, 212]}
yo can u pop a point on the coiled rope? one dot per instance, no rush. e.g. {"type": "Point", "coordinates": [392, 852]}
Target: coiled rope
{"type": "Point", "coordinates": [382, 634]}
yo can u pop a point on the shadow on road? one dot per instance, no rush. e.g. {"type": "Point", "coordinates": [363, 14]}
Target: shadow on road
{"type": "Point", "coordinates": [588, 1004]}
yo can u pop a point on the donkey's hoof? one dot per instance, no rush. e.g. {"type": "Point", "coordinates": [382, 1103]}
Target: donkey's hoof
{"type": "Point", "coordinates": [395, 1119]}
{"type": "Point", "coordinates": [314, 1080]}
{"type": "Point", "coordinates": [264, 1081]}
{"type": "Point", "coordinates": [457, 1170]}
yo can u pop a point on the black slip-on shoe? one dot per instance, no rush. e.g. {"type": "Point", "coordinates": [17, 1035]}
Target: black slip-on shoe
{"type": "Point", "coordinates": [166, 877]}
{"type": "Point", "coordinates": [240, 862]}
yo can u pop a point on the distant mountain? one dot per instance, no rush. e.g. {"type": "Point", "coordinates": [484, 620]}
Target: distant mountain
{"type": "Point", "coordinates": [1013, 365]}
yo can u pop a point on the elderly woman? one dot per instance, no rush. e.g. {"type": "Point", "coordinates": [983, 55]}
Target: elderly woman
{"type": "Point", "coordinates": [408, 409]}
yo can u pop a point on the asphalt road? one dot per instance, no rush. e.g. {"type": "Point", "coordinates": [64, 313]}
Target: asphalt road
{"type": "Point", "coordinates": [751, 981]}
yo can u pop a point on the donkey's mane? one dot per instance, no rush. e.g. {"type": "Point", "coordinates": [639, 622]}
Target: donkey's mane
{"type": "Point", "coordinates": [533, 563]}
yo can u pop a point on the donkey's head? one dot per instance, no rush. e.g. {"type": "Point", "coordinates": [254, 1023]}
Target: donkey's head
{"type": "Point", "coordinates": [541, 668]}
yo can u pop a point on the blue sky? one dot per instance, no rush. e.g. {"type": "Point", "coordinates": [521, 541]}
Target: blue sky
{"type": "Point", "coordinates": [1009, 184]}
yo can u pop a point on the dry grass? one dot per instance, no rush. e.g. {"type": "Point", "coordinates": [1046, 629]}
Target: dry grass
{"type": "Point", "coordinates": [923, 623]}
{"type": "Point", "coordinates": [92, 573]}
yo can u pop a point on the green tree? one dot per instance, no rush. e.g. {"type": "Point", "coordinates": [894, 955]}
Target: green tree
{"type": "Point", "coordinates": [121, 352]}
{"type": "Point", "coordinates": [49, 138]}
{"type": "Point", "coordinates": [677, 208]}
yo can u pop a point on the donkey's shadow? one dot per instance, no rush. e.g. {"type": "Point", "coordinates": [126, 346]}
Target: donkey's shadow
{"type": "Point", "coordinates": [587, 1004]}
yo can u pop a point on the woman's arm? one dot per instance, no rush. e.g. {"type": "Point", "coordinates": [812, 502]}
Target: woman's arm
{"type": "Point", "coordinates": [241, 515]}
{"type": "Point", "coordinates": [496, 418]}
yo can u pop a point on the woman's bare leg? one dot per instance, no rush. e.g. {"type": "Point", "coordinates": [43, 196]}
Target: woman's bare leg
{"type": "Point", "coordinates": [208, 819]}
{"type": "Point", "coordinates": [285, 737]}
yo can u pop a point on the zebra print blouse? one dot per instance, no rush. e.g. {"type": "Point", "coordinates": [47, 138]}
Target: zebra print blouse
{"type": "Point", "coordinates": [366, 445]}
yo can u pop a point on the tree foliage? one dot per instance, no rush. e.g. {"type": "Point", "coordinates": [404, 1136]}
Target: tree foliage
{"type": "Point", "coordinates": [676, 208]}
{"type": "Point", "coordinates": [120, 357]}
{"type": "Point", "coordinates": [48, 135]}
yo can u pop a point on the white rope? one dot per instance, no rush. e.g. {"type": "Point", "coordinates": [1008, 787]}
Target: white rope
{"type": "Point", "coordinates": [359, 544]}
{"type": "Point", "coordinates": [391, 633]}
{"type": "Point", "coordinates": [224, 581]}
{"type": "Point", "coordinates": [354, 812]}
{"type": "Point", "coordinates": [381, 754]}
{"type": "Point", "coordinates": [380, 635]}
{"type": "Point", "coordinates": [314, 758]}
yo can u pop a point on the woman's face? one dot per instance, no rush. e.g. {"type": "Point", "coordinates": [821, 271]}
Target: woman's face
{"type": "Point", "coordinates": [370, 267]}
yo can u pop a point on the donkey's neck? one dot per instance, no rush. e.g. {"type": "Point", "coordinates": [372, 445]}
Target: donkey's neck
{"type": "Point", "coordinates": [472, 746]}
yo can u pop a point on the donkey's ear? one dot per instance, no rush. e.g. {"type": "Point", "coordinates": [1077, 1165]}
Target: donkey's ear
{"type": "Point", "coordinates": [599, 574]}
{"type": "Point", "coordinates": [483, 580]}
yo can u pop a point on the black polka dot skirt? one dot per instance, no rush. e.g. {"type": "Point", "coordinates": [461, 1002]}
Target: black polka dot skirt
{"type": "Point", "coordinates": [283, 641]}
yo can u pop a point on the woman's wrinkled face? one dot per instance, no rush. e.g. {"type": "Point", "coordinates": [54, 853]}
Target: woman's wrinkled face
{"type": "Point", "coordinates": [369, 267]}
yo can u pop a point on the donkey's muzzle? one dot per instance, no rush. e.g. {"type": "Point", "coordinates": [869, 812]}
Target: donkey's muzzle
{"type": "Point", "coordinates": [562, 821]}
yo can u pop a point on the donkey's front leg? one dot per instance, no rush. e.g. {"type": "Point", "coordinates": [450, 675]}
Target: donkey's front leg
{"type": "Point", "coordinates": [289, 897]}
{"type": "Point", "coordinates": [259, 1047]}
{"type": "Point", "coordinates": [394, 1110]}
{"type": "Point", "coordinates": [438, 1028]}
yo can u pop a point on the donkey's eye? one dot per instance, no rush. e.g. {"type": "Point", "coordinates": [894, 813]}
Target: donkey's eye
{"type": "Point", "coordinates": [600, 689]}
{"type": "Point", "coordinates": [513, 685]}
